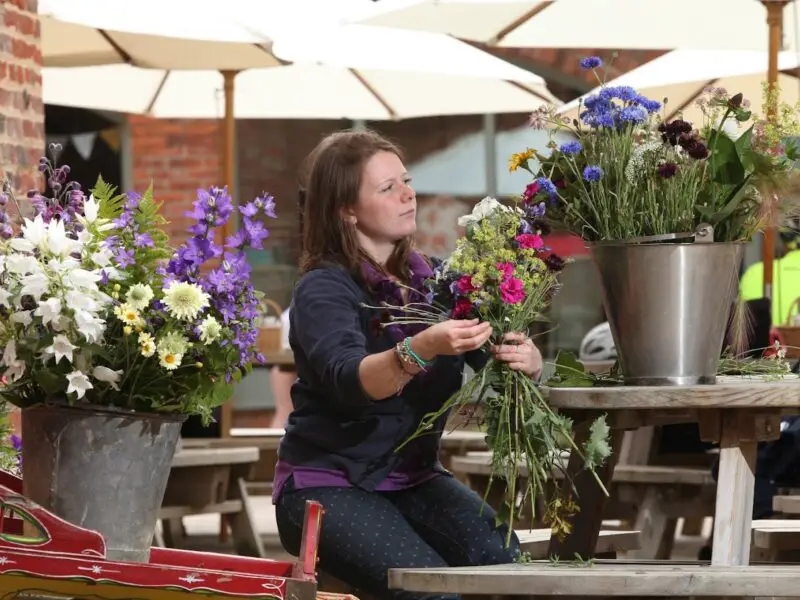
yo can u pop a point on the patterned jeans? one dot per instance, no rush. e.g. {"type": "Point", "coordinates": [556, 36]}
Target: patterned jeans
{"type": "Point", "coordinates": [438, 523]}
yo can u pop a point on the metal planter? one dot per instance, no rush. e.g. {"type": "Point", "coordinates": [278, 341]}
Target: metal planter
{"type": "Point", "coordinates": [100, 469]}
{"type": "Point", "coordinates": [668, 306]}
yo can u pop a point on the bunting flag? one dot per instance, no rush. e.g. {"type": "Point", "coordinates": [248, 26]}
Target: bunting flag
{"type": "Point", "coordinates": [111, 136]}
{"type": "Point", "coordinates": [84, 143]}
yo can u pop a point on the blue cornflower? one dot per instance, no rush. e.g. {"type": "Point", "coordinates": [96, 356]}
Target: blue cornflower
{"type": "Point", "coordinates": [621, 92]}
{"type": "Point", "coordinates": [595, 119]}
{"type": "Point", "coordinates": [571, 148]}
{"type": "Point", "coordinates": [546, 185]}
{"type": "Point", "coordinates": [593, 173]}
{"type": "Point", "coordinates": [650, 106]}
{"type": "Point", "coordinates": [632, 114]}
{"type": "Point", "coordinates": [591, 62]}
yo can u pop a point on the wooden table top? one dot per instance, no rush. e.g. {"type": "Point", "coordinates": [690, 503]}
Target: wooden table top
{"type": "Point", "coordinates": [729, 392]}
{"type": "Point", "coordinates": [205, 457]}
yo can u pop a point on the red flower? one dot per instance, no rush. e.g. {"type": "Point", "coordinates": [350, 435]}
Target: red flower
{"type": "Point", "coordinates": [462, 308]}
{"type": "Point", "coordinates": [465, 286]}
{"type": "Point", "coordinates": [530, 192]}
{"type": "Point", "coordinates": [530, 240]}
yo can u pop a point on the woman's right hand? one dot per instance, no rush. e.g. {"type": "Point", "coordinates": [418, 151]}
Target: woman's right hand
{"type": "Point", "coordinates": [451, 338]}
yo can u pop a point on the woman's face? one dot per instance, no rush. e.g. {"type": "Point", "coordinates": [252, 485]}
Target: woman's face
{"type": "Point", "coordinates": [387, 205]}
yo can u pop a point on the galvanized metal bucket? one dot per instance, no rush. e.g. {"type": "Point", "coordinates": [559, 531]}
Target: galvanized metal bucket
{"type": "Point", "coordinates": [101, 469]}
{"type": "Point", "coordinates": [668, 306]}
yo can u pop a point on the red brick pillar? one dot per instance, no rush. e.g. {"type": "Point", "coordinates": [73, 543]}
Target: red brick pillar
{"type": "Point", "coordinates": [22, 140]}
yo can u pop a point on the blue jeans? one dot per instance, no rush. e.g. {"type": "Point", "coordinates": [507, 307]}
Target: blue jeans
{"type": "Point", "coordinates": [438, 523]}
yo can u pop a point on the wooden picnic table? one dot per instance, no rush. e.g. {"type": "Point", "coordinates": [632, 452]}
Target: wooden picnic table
{"type": "Point", "coordinates": [212, 481]}
{"type": "Point", "coordinates": [737, 413]}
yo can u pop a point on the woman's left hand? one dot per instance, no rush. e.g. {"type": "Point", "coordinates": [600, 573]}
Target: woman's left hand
{"type": "Point", "coordinates": [521, 354]}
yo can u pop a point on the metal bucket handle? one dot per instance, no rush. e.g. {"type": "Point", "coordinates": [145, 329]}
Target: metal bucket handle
{"type": "Point", "coordinates": [702, 235]}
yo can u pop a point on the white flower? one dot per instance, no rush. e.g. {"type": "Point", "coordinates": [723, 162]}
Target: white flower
{"type": "Point", "coordinates": [173, 342]}
{"type": "Point", "coordinates": [23, 317]}
{"type": "Point", "coordinates": [90, 326]}
{"type": "Point", "coordinates": [139, 296]}
{"type": "Point", "coordinates": [81, 278]}
{"type": "Point", "coordinates": [185, 300]}
{"type": "Point", "coordinates": [61, 348]}
{"type": "Point", "coordinates": [108, 376]}
{"type": "Point", "coordinates": [35, 231]}
{"type": "Point", "coordinates": [49, 310]}
{"type": "Point", "coordinates": [483, 209]}
{"type": "Point", "coordinates": [128, 315]}
{"type": "Point", "coordinates": [78, 383]}
{"type": "Point", "coordinates": [147, 348]}
{"type": "Point", "coordinates": [10, 353]}
{"type": "Point", "coordinates": [57, 241]}
{"type": "Point", "coordinates": [90, 210]}
{"type": "Point", "coordinates": [169, 360]}
{"type": "Point", "coordinates": [81, 301]}
{"type": "Point", "coordinates": [4, 297]}
{"type": "Point", "coordinates": [210, 330]}
{"type": "Point", "coordinates": [35, 284]}
{"type": "Point", "coordinates": [20, 264]}
{"type": "Point", "coordinates": [102, 258]}
{"type": "Point", "coordinates": [730, 127]}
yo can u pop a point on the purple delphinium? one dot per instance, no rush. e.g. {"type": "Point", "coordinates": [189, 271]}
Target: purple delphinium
{"type": "Point", "coordinates": [16, 444]}
{"type": "Point", "coordinates": [228, 285]}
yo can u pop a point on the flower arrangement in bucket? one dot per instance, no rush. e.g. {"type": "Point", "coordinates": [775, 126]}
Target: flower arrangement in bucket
{"type": "Point", "coordinates": [502, 272]}
{"type": "Point", "coordinates": [101, 317]}
{"type": "Point", "coordinates": [665, 205]}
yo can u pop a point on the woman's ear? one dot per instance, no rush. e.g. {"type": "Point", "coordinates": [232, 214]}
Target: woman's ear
{"type": "Point", "coordinates": [348, 216]}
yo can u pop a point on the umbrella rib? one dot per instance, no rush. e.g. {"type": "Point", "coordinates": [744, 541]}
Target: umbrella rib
{"type": "Point", "coordinates": [524, 88]}
{"type": "Point", "coordinates": [691, 98]}
{"type": "Point", "coordinates": [519, 21]}
{"type": "Point", "coordinates": [158, 92]}
{"type": "Point", "coordinates": [117, 48]}
{"type": "Point", "coordinates": [374, 92]}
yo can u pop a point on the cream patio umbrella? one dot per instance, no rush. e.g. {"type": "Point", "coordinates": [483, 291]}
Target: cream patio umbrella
{"type": "Point", "coordinates": [681, 76]}
{"type": "Point", "coordinates": [771, 25]}
{"type": "Point", "coordinates": [354, 72]}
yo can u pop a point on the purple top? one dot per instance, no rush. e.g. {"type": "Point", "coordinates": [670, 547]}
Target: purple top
{"type": "Point", "coordinates": [310, 477]}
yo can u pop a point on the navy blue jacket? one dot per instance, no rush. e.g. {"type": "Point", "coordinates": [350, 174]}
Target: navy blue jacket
{"type": "Point", "coordinates": [335, 425]}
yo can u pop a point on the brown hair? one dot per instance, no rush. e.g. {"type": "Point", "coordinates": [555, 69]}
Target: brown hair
{"type": "Point", "coordinates": [334, 173]}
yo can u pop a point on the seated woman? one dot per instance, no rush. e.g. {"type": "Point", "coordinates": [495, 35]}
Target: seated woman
{"type": "Point", "coordinates": [361, 390]}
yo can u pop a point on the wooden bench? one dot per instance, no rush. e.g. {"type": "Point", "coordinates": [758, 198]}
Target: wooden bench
{"type": "Point", "coordinates": [212, 481]}
{"type": "Point", "coordinates": [651, 497]}
{"type": "Point", "coordinates": [603, 578]}
{"type": "Point", "coordinates": [776, 539]}
{"type": "Point", "coordinates": [535, 542]}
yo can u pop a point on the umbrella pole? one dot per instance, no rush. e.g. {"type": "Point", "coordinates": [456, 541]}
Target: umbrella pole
{"type": "Point", "coordinates": [775, 28]}
{"type": "Point", "coordinates": [228, 169]}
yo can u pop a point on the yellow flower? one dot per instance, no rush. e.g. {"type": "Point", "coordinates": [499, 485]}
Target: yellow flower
{"type": "Point", "coordinates": [127, 330]}
{"type": "Point", "coordinates": [520, 159]}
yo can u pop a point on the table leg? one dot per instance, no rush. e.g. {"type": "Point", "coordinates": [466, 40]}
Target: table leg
{"type": "Point", "coordinates": [735, 484]}
{"type": "Point", "coordinates": [586, 524]}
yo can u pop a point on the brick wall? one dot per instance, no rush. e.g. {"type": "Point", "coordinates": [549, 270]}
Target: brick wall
{"type": "Point", "coordinates": [178, 156]}
{"type": "Point", "coordinates": [21, 109]}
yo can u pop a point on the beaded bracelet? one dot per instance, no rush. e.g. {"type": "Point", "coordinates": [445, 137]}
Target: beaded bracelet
{"type": "Point", "coordinates": [421, 362]}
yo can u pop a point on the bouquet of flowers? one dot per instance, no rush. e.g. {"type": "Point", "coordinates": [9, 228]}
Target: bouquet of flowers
{"type": "Point", "coordinates": [98, 310]}
{"type": "Point", "coordinates": [501, 272]}
{"type": "Point", "coordinates": [628, 173]}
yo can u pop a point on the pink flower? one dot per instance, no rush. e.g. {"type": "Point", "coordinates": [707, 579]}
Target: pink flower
{"type": "Point", "coordinates": [462, 308]}
{"type": "Point", "coordinates": [465, 286]}
{"type": "Point", "coordinates": [512, 291]}
{"type": "Point", "coordinates": [530, 240]}
{"type": "Point", "coordinates": [506, 268]}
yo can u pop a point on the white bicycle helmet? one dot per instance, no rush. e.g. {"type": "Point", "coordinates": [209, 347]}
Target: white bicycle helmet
{"type": "Point", "coordinates": [598, 344]}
